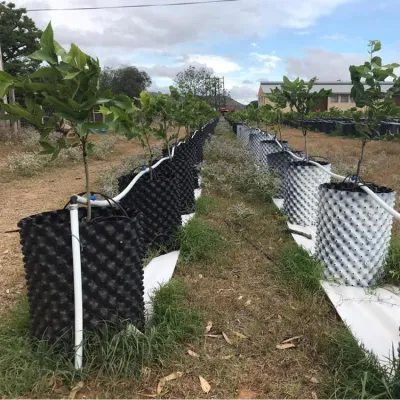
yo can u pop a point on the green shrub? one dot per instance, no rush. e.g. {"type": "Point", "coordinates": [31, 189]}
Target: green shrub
{"type": "Point", "coordinates": [199, 241]}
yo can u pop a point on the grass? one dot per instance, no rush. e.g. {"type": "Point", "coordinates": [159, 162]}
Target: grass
{"type": "Point", "coordinates": [392, 267]}
{"type": "Point", "coordinates": [199, 242]}
{"type": "Point", "coordinates": [33, 367]}
{"type": "Point", "coordinates": [356, 372]}
{"type": "Point", "coordinates": [301, 271]}
{"type": "Point", "coordinates": [205, 205]}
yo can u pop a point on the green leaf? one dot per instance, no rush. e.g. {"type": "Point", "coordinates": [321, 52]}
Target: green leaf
{"type": "Point", "coordinates": [123, 102]}
{"type": "Point", "coordinates": [4, 86]}
{"type": "Point", "coordinates": [43, 56]}
{"type": "Point", "coordinates": [60, 51]}
{"type": "Point", "coordinates": [5, 77]}
{"type": "Point", "coordinates": [377, 46]}
{"type": "Point", "coordinates": [89, 148]}
{"type": "Point", "coordinates": [78, 57]}
{"type": "Point", "coordinates": [377, 61]}
{"type": "Point", "coordinates": [47, 40]}
{"type": "Point", "coordinates": [72, 75]}
{"type": "Point", "coordinates": [46, 72]}
{"type": "Point", "coordinates": [47, 147]}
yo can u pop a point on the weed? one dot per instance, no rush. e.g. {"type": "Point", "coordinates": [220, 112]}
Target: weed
{"type": "Point", "coordinates": [392, 266]}
{"type": "Point", "coordinates": [205, 205]}
{"type": "Point", "coordinates": [300, 270]}
{"type": "Point", "coordinates": [199, 242]}
{"type": "Point", "coordinates": [26, 164]}
{"type": "Point", "coordinates": [240, 213]}
{"type": "Point", "coordinates": [33, 368]}
{"type": "Point", "coordinates": [102, 148]}
{"type": "Point", "coordinates": [356, 372]}
{"type": "Point", "coordinates": [221, 148]}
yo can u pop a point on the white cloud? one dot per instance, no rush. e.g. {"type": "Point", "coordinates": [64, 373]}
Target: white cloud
{"type": "Point", "coordinates": [219, 64]}
{"type": "Point", "coordinates": [253, 45]}
{"type": "Point", "coordinates": [324, 64]}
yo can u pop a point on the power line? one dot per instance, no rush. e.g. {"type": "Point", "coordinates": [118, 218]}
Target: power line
{"type": "Point", "coordinates": [186, 3]}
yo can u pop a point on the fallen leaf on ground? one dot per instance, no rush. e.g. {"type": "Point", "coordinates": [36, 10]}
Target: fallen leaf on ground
{"type": "Point", "coordinates": [7, 291]}
{"type": "Point", "coordinates": [293, 308]}
{"type": "Point", "coordinates": [240, 297]}
{"type": "Point", "coordinates": [227, 357]}
{"type": "Point", "coordinates": [239, 335]}
{"type": "Point", "coordinates": [279, 317]}
{"type": "Point", "coordinates": [285, 346]}
{"type": "Point", "coordinates": [75, 390]}
{"type": "Point", "coordinates": [193, 354]}
{"type": "Point", "coordinates": [247, 394]}
{"type": "Point", "coordinates": [292, 338]}
{"type": "Point", "coordinates": [226, 338]}
{"type": "Point", "coordinates": [200, 276]}
{"type": "Point", "coordinates": [5, 252]}
{"type": "Point", "coordinates": [209, 326]}
{"type": "Point", "coordinates": [314, 396]}
{"type": "Point", "coordinates": [168, 378]}
{"type": "Point", "coordinates": [204, 385]}
{"type": "Point", "coordinates": [224, 290]}
{"type": "Point", "coordinates": [213, 336]}
{"type": "Point", "coordinates": [248, 302]}
{"type": "Point", "coordinates": [314, 380]}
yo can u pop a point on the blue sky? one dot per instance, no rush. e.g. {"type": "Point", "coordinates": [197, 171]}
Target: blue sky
{"type": "Point", "coordinates": [246, 41]}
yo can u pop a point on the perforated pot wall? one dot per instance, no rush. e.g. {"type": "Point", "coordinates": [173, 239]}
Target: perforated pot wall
{"type": "Point", "coordinates": [353, 234]}
{"type": "Point", "coordinates": [112, 271]}
{"type": "Point", "coordinates": [157, 198]}
{"type": "Point", "coordinates": [302, 191]}
{"type": "Point", "coordinates": [279, 164]}
{"type": "Point", "coordinates": [255, 145]}
{"type": "Point", "coordinates": [267, 147]}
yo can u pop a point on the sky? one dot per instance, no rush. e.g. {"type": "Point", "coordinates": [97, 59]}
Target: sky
{"type": "Point", "coordinates": [246, 41]}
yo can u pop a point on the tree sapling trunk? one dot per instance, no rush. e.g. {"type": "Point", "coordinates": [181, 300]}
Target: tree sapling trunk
{"type": "Point", "coordinates": [363, 143]}
{"type": "Point", "coordinates": [87, 182]}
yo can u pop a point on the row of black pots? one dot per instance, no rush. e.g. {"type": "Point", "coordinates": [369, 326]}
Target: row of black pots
{"type": "Point", "coordinates": [113, 245]}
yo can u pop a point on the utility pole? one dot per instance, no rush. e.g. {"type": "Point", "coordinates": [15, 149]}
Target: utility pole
{"type": "Point", "coordinates": [3, 123]}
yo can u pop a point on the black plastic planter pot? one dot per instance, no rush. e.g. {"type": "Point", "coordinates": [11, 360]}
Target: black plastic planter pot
{"type": "Point", "coordinates": [188, 176]}
{"type": "Point", "coordinates": [112, 271]}
{"type": "Point", "coordinates": [156, 196]}
{"type": "Point", "coordinates": [353, 233]}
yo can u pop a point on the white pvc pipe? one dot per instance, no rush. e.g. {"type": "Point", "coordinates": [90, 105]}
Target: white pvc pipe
{"type": "Point", "coordinates": [77, 271]}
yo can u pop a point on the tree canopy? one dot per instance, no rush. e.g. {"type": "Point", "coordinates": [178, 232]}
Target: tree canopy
{"type": "Point", "coordinates": [125, 80]}
{"type": "Point", "coordinates": [19, 37]}
{"type": "Point", "coordinates": [198, 80]}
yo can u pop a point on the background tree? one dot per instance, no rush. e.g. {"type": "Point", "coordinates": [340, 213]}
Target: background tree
{"type": "Point", "coordinates": [253, 103]}
{"type": "Point", "coordinates": [196, 80]}
{"type": "Point", "coordinates": [19, 37]}
{"type": "Point", "coordinates": [128, 81]}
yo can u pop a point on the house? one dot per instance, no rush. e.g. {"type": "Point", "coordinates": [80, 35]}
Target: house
{"type": "Point", "coordinates": [340, 94]}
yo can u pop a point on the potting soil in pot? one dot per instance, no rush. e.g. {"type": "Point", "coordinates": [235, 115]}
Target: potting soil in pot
{"type": "Point", "coordinates": [302, 191]}
{"type": "Point", "coordinates": [112, 271]}
{"type": "Point", "coordinates": [156, 196]}
{"type": "Point", "coordinates": [353, 233]}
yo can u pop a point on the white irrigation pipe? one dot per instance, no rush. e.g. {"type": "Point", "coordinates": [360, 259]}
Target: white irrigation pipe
{"type": "Point", "coordinates": [366, 189]}
{"type": "Point", "coordinates": [76, 255]}
{"type": "Point", "coordinates": [77, 271]}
